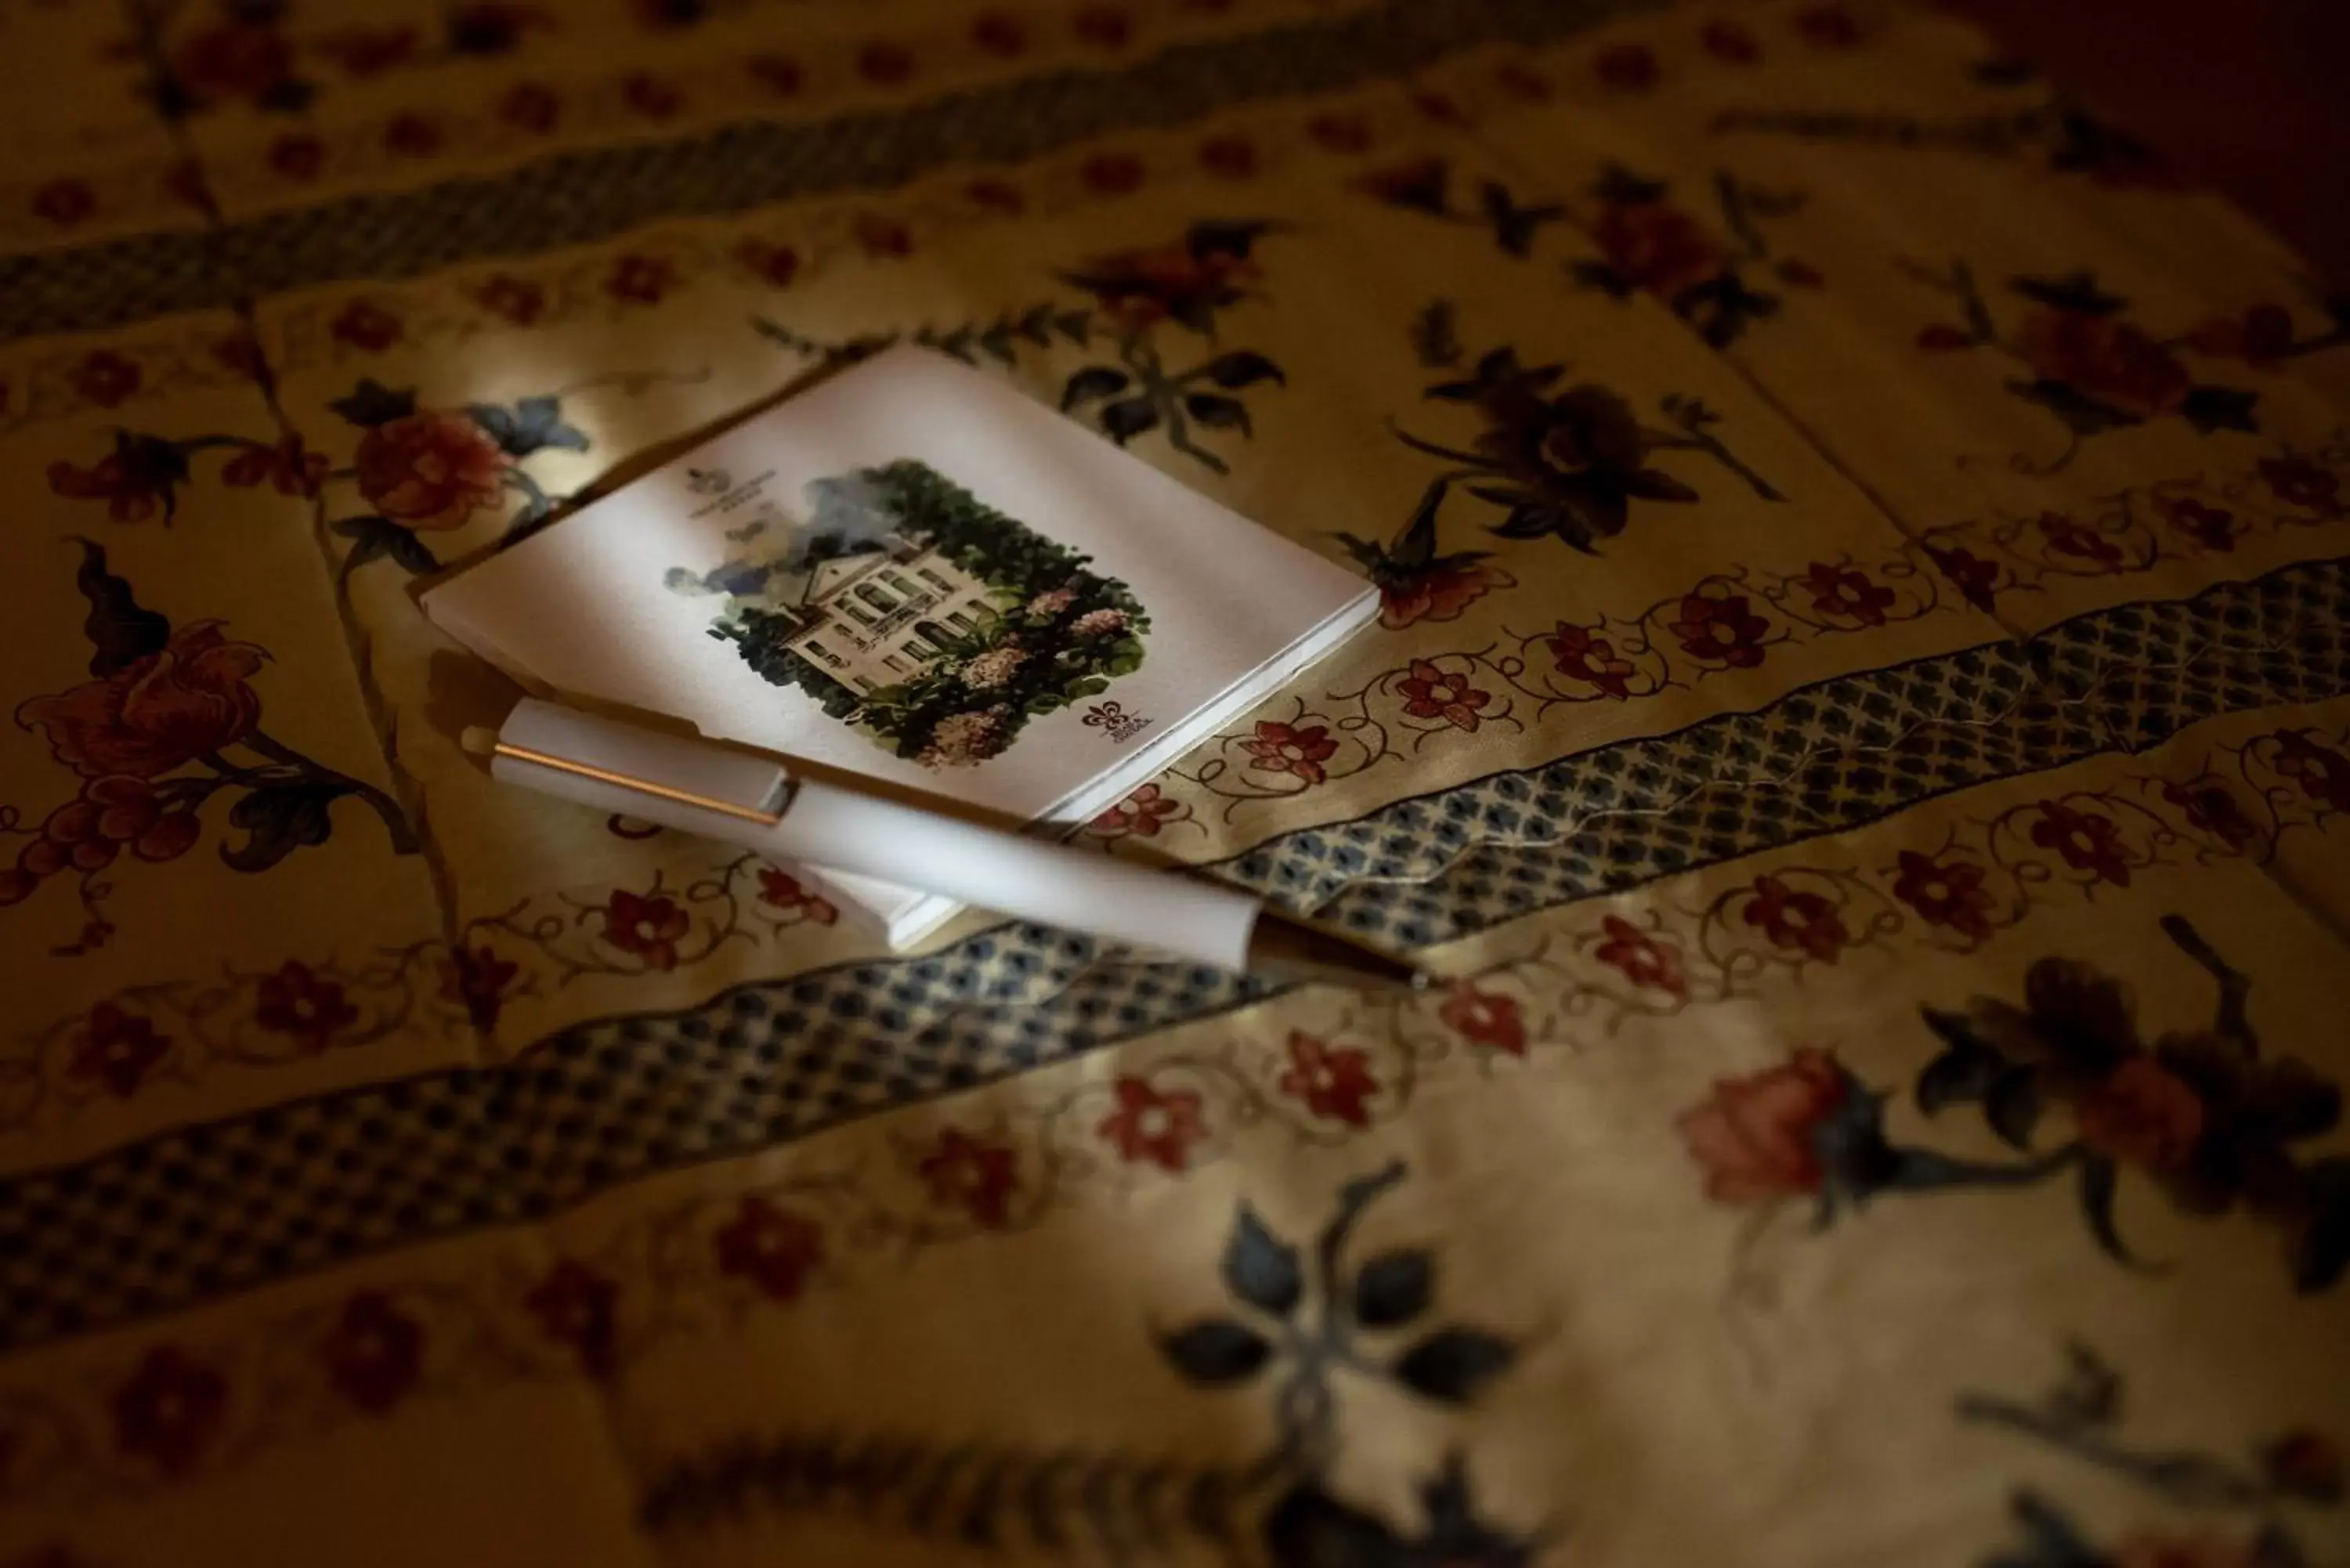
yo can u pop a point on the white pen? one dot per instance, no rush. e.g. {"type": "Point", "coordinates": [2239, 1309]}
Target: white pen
{"type": "Point", "coordinates": [755, 800]}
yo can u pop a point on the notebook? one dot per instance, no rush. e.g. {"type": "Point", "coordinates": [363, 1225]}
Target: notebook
{"type": "Point", "coordinates": [913, 571]}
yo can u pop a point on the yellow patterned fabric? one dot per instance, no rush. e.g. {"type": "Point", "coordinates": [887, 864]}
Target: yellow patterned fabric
{"type": "Point", "coordinates": [1860, 719]}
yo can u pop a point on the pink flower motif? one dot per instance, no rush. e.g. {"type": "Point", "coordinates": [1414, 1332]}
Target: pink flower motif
{"type": "Point", "coordinates": [1643, 960]}
{"type": "Point", "coordinates": [1141, 813]}
{"type": "Point", "coordinates": [477, 978]}
{"type": "Point", "coordinates": [1156, 1125]}
{"type": "Point", "coordinates": [2087, 841]}
{"type": "Point", "coordinates": [886, 65]}
{"type": "Point", "coordinates": [1299, 751]}
{"type": "Point", "coordinates": [784, 891]}
{"type": "Point", "coordinates": [518, 300]}
{"type": "Point", "coordinates": [366, 326]}
{"type": "Point", "coordinates": [578, 1308]}
{"type": "Point", "coordinates": [1229, 157]}
{"type": "Point", "coordinates": [1436, 592]}
{"type": "Point", "coordinates": [1945, 893]}
{"type": "Point", "coordinates": [1756, 1137]}
{"type": "Point", "coordinates": [1723, 630]}
{"type": "Point", "coordinates": [1333, 1084]}
{"type": "Point", "coordinates": [64, 202]}
{"type": "Point", "coordinates": [770, 1247]}
{"type": "Point", "coordinates": [1976, 580]}
{"type": "Point", "coordinates": [1433, 693]}
{"type": "Point", "coordinates": [531, 108]}
{"type": "Point", "coordinates": [647, 926]}
{"type": "Point", "coordinates": [1729, 41]}
{"type": "Point", "coordinates": [2067, 537]}
{"type": "Point", "coordinates": [1580, 655]}
{"type": "Point", "coordinates": [2208, 528]}
{"type": "Point", "coordinates": [374, 1352]}
{"type": "Point", "coordinates": [169, 1410]}
{"type": "Point", "coordinates": [107, 380]}
{"type": "Point", "coordinates": [1627, 67]}
{"type": "Point", "coordinates": [640, 280]}
{"type": "Point", "coordinates": [115, 1049]}
{"type": "Point", "coordinates": [1799, 921]}
{"type": "Point", "coordinates": [977, 1178]}
{"type": "Point", "coordinates": [296, 1002]}
{"type": "Point", "coordinates": [1486, 1018]}
{"type": "Point", "coordinates": [2322, 772]}
{"type": "Point", "coordinates": [1847, 593]}
{"type": "Point", "coordinates": [1112, 173]}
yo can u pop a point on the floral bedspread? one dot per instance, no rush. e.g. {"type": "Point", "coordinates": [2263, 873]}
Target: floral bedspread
{"type": "Point", "coordinates": [1860, 719]}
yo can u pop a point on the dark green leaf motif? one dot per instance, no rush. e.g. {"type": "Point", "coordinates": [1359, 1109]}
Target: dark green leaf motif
{"type": "Point", "coordinates": [1125, 420]}
{"type": "Point", "coordinates": [280, 818]}
{"type": "Point", "coordinates": [1093, 381]}
{"type": "Point", "coordinates": [1394, 1288]}
{"type": "Point", "coordinates": [1217, 1353]}
{"type": "Point", "coordinates": [1259, 1268]}
{"type": "Point", "coordinates": [1453, 1363]}
{"type": "Point", "coordinates": [121, 632]}
{"type": "Point", "coordinates": [373, 403]}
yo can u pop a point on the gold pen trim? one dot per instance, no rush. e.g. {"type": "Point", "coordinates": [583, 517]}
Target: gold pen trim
{"type": "Point", "coordinates": [643, 786]}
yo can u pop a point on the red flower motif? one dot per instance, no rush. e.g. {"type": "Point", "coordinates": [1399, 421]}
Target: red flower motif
{"type": "Point", "coordinates": [999, 35]}
{"type": "Point", "coordinates": [779, 73]}
{"type": "Point", "coordinates": [106, 379]}
{"type": "Point", "coordinates": [1522, 82]}
{"type": "Point", "coordinates": [1729, 41]}
{"type": "Point", "coordinates": [2142, 1114]}
{"type": "Point", "coordinates": [1141, 813]}
{"type": "Point", "coordinates": [1112, 173]}
{"type": "Point", "coordinates": [997, 196]}
{"type": "Point", "coordinates": [367, 326]}
{"type": "Point", "coordinates": [1847, 593]}
{"type": "Point", "coordinates": [2210, 527]}
{"type": "Point", "coordinates": [647, 927]}
{"type": "Point", "coordinates": [477, 978]}
{"type": "Point", "coordinates": [640, 280]}
{"type": "Point", "coordinates": [364, 52]}
{"type": "Point", "coordinates": [158, 713]}
{"type": "Point", "coordinates": [785, 891]}
{"type": "Point", "coordinates": [770, 1247]}
{"type": "Point", "coordinates": [134, 480]}
{"type": "Point", "coordinates": [411, 136]}
{"type": "Point", "coordinates": [2209, 808]}
{"type": "Point", "coordinates": [977, 1178]}
{"type": "Point", "coordinates": [115, 1049]}
{"type": "Point", "coordinates": [2322, 772]}
{"type": "Point", "coordinates": [1286, 749]}
{"type": "Point", "coordinates": [64, 202]}
{"type": "Point", "coordinates": [878, 236]}
{"type": "Point", "coordinates": [1721, 630]}
{"type": "Point", "coordinates": [1941, 338]}
{"type": "Point", "coordinates": [1229, 157]}
{"type": "Point", "coordinates": [774, 265]}
{"type": "Point", "coordinates": [240, 60]}
{"type": "Point", "coordinates": [1104, 26]}
{"type": "Point", "coordinates": [1628, 67]}
{"type": "Point", "coordinates": [1159, 1125]}
{"type": "Point", "coordinates": [2298, 482]}
{"type": "Point", "coordinates": [884, 64]}
{"type": "Point", "coordinates": [430, 470]}
{"type": "Point", "coordinates": [1644, 961]}
{"type": "Point", "coordinates": [1438, 593]}
{"type": "Point", "coordinates": [1828, 27]}
{"type": "Point", "coordinates": [2261, 336]}
{"type": "Point", "coordinates": [517, 299]}
{"type": "Point", "coordinates": [1976, 580]}
{"type": "Point", "coordinates": [1340, 132]}
{"type": "Point", "coordinates": [2087, 841]}
{"type": "Point", "coordinates": [1433, 693]}
{"type": "Point", "coordinates": [579, 1308]}
{"type": "Point", "coordinates": [1332, 1084]}
{"type": "Point", "coordinates": [374, 1352]}
{"type": "Point", "coordinates": [2103, 357]}
{"type": "Point", "coordinates": [1580, 655]}
{"type": "Point", "coordinates": [1797, 920]}
{"type": "Point", "coordinates": [2067, 537]}
{"type": "Point", "coordinates": [286, 466]}
{"type": "Point", "coordinates": [169, 1410]}
{"type": "Point", "coordinates": [652, 97]}
{"type": "Point", "coordinates": [1755, 1137]}
{"type": "Point", "coordinates": [1656, 247]}
{"type": "Point", "coordinates": [530, 106]}
{"type": "Point", "coordinates": [298, 156]}
{"type": "Point", "coordinates": [296, 1001]}
{"type": "Point", "coordinates": [1484, 1018]}
{"type": "Point", "coordinates": [1945, 893]}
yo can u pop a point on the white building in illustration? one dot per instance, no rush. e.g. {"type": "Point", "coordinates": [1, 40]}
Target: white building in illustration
{"type": "Point", "coordinates": [874, 618]}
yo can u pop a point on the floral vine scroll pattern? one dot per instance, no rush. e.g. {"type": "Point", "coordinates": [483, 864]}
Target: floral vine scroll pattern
{"type": "Point", "coordinates": [151, 735]}
{"type": "Point", "coordinates": [1649, 245]}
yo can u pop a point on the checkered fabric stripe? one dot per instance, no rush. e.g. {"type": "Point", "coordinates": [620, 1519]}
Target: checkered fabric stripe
{"type": "Point", "coordinates": [180, 1218]}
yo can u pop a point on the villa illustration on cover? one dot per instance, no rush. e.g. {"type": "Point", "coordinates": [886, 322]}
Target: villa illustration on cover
{"type": "Point", "coordinates": [910, 608]}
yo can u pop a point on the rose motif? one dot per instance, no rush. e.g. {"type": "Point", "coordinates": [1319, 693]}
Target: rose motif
{"type": "Point", "coordinates": [1579, 654]}
{"type": "Point", "coordinates": [477, 978]}
{"type": "Point", "coordinates": [784, 891]}
{"type": "Point", "coordinates": [2322, 772]}
{"type": "Point", "coordinates": [158, 713]}
{"type": "Point", "coordinates": [1574, 462]}
{"type": "Point", "coordinates": [647, 926]}
{"type": "Point", "coordinates": [2140, 1114]}
{"type": "Point", "coordinates": [1657, 247]}
{"type": "Point", "coordinates": [1756, 1137]}
{"type": "Point", "coordinates": [286, 466]}
{"type": "Point", "coordinates": [1847, 593]}
{"type": "Point", "coordinates": [2298, 482]}
{"type": "Point", "coordinates": [1801, 921]}
{"type": "Point", "coordinates": [374, 1352]}
{"type": "Point", "coordinates": [976, 1177]}
{"type": "Point", "coordinates": [1157, 1125]}
{"type": "Point", "coordinates": [578, 1308]}
{"type": "Point", "coordinates": [1333, 1084]}
{"type": "Point", "coordinates": [1141, 813]}
{"type": "Point", "coordinates": [1486, 1018]}
{"type": "Point", "coordinates": [1976, 580]}
{"type": "Point", "coordinates": [2210, 527]}
{"type": "Point", "coordinates": [1186, 282]}
{"type": "Point", "coordinates": [1644, 961]}
{"type": "Point", "coordinates": [1721, 631]}
{"type": "Point", "coordinates": [2087, 841]}
{"type": "Point", "coordinates": [1439, 593]}
{"type": "Point", "coordinates": [296, 1001]}
{"type": "Point", "coordinates": [117, 1049]}
{"type": "Point", "coordinates": [169, 1410]}
{"type": "Point", "coordinates": [1296, 749]}
{"type": "Point", "coordinates": [1945, 893]}
{"type": "Point", "coordinates": [770, 1247]}
{"type": "Point", "coordinates": [430, 471]}
{"type": "Point", "coordinates": [1433, 693]}
{"type": "Point", "coordinates": [2103, 357]}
